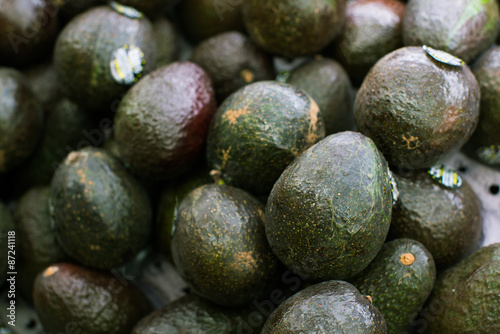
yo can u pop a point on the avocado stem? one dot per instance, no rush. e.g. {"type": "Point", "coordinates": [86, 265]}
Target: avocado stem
{"type": "Point", "coordinates": [407, 259]}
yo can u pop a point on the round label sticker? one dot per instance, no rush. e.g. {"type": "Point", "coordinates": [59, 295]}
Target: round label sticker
{"type": "Point", "coordinates": [443, 57]}
{"type": "Point", "coordinates": [445, 176]}
{"type": "Point", "coordinates": [127, 64]}
{"type": "Point", "coordinates": [394, 186]}
{"type": "Point", "coordinates": [490, 155]}
{"type": "Point", "coordinates": [126, 10]}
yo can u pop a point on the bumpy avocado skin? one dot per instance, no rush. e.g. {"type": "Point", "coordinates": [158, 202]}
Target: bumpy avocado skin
{"type": "Point", "coordinates": [162, 122]}
{"type": "Point", "coordinates": [219, 245]}
{"type": "Point", "coordinates": [6, 225]}
{"type": "Point", "coordinates": [329, 212]}
{"type": "Point", "coordinates": [398, 289]}
{"type": "Point", "coordinates": [83, 54]}
{"type": "Point", "coordinates": [232, 61]}
{"type": "Point", "coordinates": [447, 221]}
{"type": "Point", "coordinates": [464, 28]}
{"type": "Point", "coordinates": [487, 72]}
{"type": "Point", "coordinates": [102, 214]}
{"type": "Point", "coordinates": [327, 82]}
{"type": "Point", "coordinates": [36, 238]}
{"type": "Point", "coordinates": [199, 316]}
{"type": "Point", "coordinates": [259, 130]}
{"type": "Point", "coordinates": [416, 109]}
{"type": "Point", "coordinates": [465, 297]}
{"type": "Point", "coordinates": [72, 298]}
{"type": "Point", "coordinates": [328, 307]}
{"type": "Point", "coordinates": [293, 28]}
{"type": "Point", "coordinates": [21, 119]}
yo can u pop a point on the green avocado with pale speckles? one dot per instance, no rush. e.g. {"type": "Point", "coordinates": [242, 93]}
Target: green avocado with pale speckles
{"type": "Point", "coordinates": [329, 212]}
{"type": "Point", "coordinates": [101, 212]}
{"type": "Point", "coordinates": [398, 280]}
{"type": "Point", "coordinates": [260, 129]}
{"type": "Point", "coordinates": [219, 245]}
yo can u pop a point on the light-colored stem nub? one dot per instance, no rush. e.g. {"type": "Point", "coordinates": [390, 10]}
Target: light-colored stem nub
{"type": "Point", "coordinates": [407, 259]}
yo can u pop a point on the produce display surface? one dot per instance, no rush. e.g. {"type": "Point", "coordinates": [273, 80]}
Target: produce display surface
{"type": "Point", "coordinates": [231, 167]}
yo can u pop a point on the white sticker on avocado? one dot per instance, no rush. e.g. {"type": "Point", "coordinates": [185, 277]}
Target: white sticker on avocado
{"type": "Point", "coordinates": [445, 176]}
{"type": "Point", "coordinates": [490, 155]}
{"type": "Point", "coordinates": [443, 57]}
{"type": "Point", "coordinates": [126, 10]}
{"type": "Point", "coordinates": [127, 64]}
{"type": "Point", "coordinates": [394, 187]}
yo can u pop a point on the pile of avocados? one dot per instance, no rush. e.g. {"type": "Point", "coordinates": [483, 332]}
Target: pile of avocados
{"type": "Point", "coordinates": [286, 160]}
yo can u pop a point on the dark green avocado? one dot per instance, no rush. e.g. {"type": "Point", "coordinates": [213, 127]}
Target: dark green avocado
{"type": "Point", "coordinates": [398, 280]}
{"type": "Point", "coordinates": [43, 81]}
{"type": "Point", "coordinates": [464, 28]}
{"type": "Point", "coordinates": [373, 28]}
{"type": "Point", "coordinates": [197, 315]}
{"type": "Point", "coordinates": [327, 82]}
{"type": "Point", "coordinates": [447, 220]}
{"type": "Point", "coordinates": [293, 28]}
{"type": "Point", "coordinates": [167, 42]}
{"type": "Point", "coordinates": [162, 122]}
{"type": "Point", "coordinates": [36, 238]}
{"type": "Point", "coordinates": [219, 245]}
{"type": "Point", "coordinates": [68, 9]}
{"type": "Point", "coordinates": [71, 298]}
{"type": "Point", "coordinates": [232, 61]}
{"type": "Point", "coordinates": [417, 109]}
{"type": "Point", "coordinates": [100, 54]}
{"type": "Point", "coordinates": [465, 297]}
{"type": "Point", "coordinates": [259, 130]}
{"type": "Point", "coordinates": [6, 225]}
{"type": "Point", "coordinates": [484, 144]}
{"type": "Point", "coordinates": [21, 119]}
{"type": "Point", "coordinates": [327, 307]}
{"type": "Point", "coordinates": [101, 212]}
{"type": "Point", "coordinates": [329, 212]}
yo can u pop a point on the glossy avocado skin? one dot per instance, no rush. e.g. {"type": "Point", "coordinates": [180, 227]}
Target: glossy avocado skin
{"type": "Point", "coordinates": [232, 61]}
{"type": "Point", "coordinates": [199, 316]}
{"type": "Point", "coordinates": [69, 297]}
{"type": "Point", "coordinates": [21, 119]}
{"type": "Point", "coordinates": [293, 28]}
{"type": "Point", "coordinates": [259, 130]}
{"type": "Point", "coordinates": [6, 225]}
{"type": "Point", "coordinates": [162, 122]}
{"type": "Point", "coordinates": [416, 109]}
{"type": "Point", "coordinates": [465, 297]}
{"type": "Point", "coordinates": [487, 72]}
{"type": "Point", "coordinates": [398, 288]}
{"type": "Point", "coordinates": [329, 212]}
{"type": "Point", "coordinates": [461, 27]}
{"type": "Point", "coordinates": [327, 82]}
{"type": "Point", "coordinates": [84, 50]}
{"type": "Point", "coordinates": [219, 245]}
{"type": "Point", "coordinates": [101, 212]}
{"type": "Point", "coordinates": [327, 307]}
{"type": "Point", "coordinates": [447, 221]}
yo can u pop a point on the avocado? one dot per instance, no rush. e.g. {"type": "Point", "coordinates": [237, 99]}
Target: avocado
{"type": "Point", "coordinates": [326, 81]}
{"type": "Point", "coordinates": [7, 228]}
{"type": "Point", "coordinates": [373, 28]}
{"type": "Point", "coordinates": [327, 307]}
{"type": "Point", "coordinates": [201, 19]}
{"type": "Point", "coordinates": [464, 28]}
{"type": "Point", "coordinates": [219, 245]}
{"type": "Point", "coordinates": [21, 119]}
{"type": "Point", "coordinates": [167, 42]}
{"type": "Point", "coordinates": [43, 81]}
{"type": "Point", "coordinates": [68, 9]}
{"type": "Point", "coordinates": [294, 28]}
{"type": "Point", "coordinates": [445, 217]}
{"type": "Point", "coordinates": [199, 316]}
{"type": "Point", "coordinates": [36, 238]}
{"type": "Point", "coordinates": [232, 61]}
{"type": "Point", "coordinates": [398, 280]}
{"type": "Point", "coordinates": [100, 53]}
{"type": "Point", "coordinates": [27, 31]}
{"type": "Point", "coordinates": [417, 109]}
{"type": "Point", "coordinates": [162, 122]}
{"type": "Point", "coordinates": [484, 144]}
{"type": "Point", "coordinates": [72, 298]}
{"type": "Point", "coordinates": [260, 129]}
{"type": "Point", "coordinates": [329, 212]}
{"type": "Point", "coordinates": [152, 8]}
{"type": "Point", "coordinates": [465, 297]}
{"type": "Point", "coordinates": [101, 212]}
